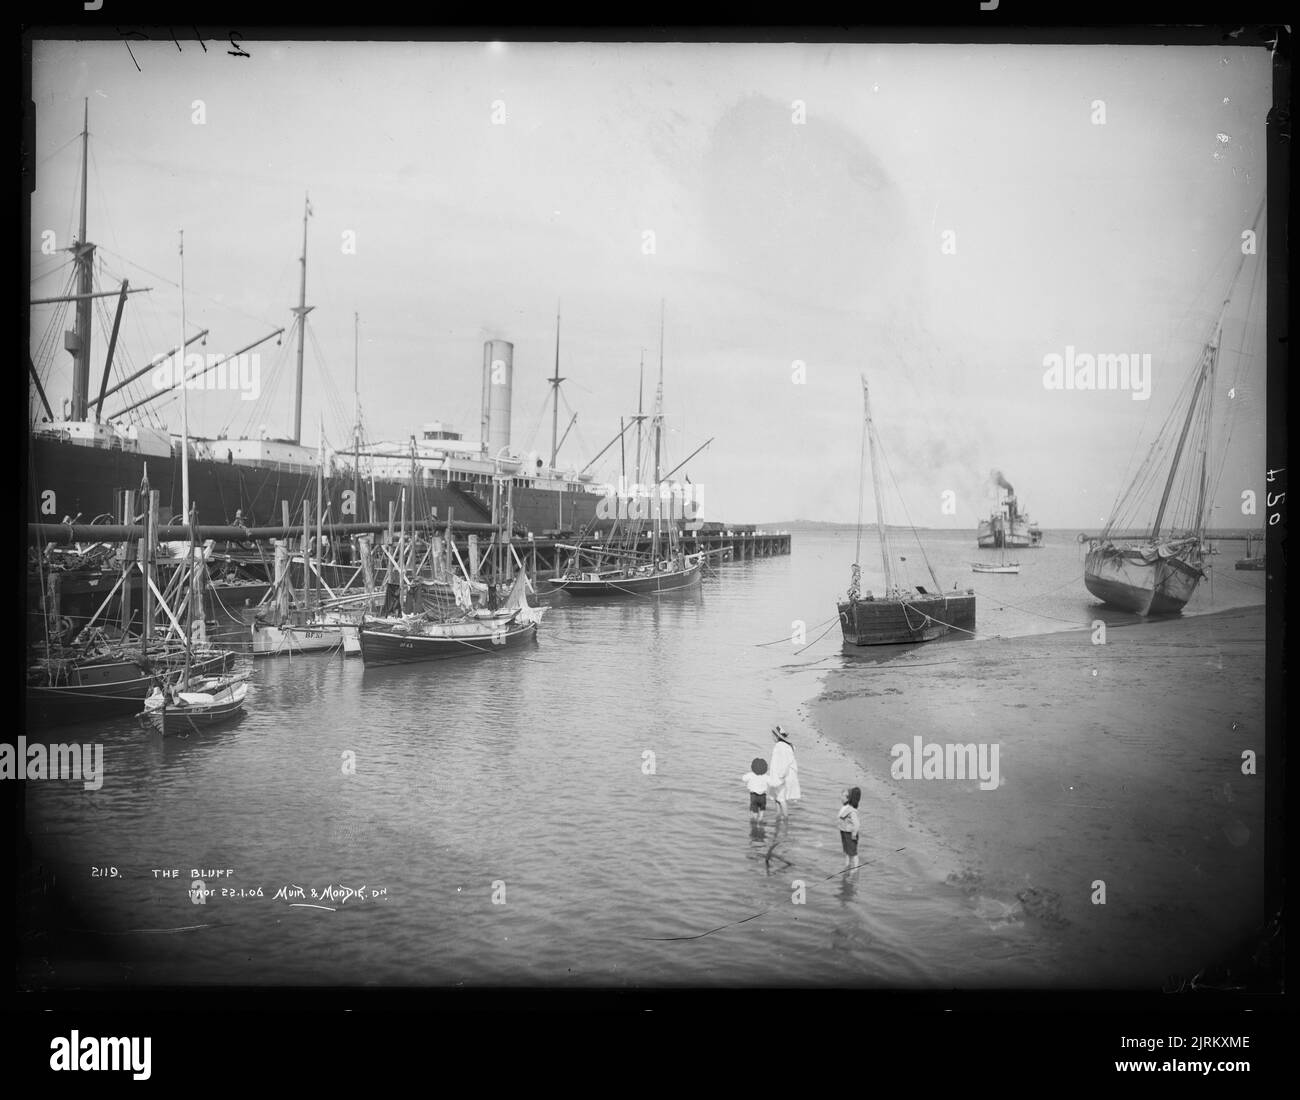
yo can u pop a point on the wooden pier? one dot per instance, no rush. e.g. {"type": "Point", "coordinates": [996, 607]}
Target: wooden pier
{"type": "Point", "coordinates": [91, 557]}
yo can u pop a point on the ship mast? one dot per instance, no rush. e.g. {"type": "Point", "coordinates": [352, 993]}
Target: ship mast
{"type": "Point", "coordinates": [1208, 357]}
{"type": "Point", "coordinates": [356, 400]}
{"type": "Point", "coordinates": [78, 341]}
{"type": "Point", "coordinates": [875, 486]}
{"type": "Point", "coordinates": [185, 472]}
{"type": "Point", "coordinates": [640, 415]}
{"type": "Point", "coordinates": [300, 312]}
{"type": "Point", "coordinates": [659, 419]}
{"type": "Point", "coordinates": [555, 390]}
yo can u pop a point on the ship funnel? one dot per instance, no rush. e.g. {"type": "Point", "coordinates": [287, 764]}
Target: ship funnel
{"type": "Point", "coordinates": [498, 383]}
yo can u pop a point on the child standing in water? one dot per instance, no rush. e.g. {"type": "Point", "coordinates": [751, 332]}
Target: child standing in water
{"type": "Point", "coordinates": [756, 780]}
{"type": "Point", "coordinates": [849, 825]}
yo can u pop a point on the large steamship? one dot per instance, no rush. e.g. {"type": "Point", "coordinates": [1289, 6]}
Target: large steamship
{"type": "Point", "coordinates": [81, 459]}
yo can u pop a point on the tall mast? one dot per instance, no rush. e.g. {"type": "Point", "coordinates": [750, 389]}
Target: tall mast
{"type": "Point", "coordinates": [659, 416]}
{"type": "Point", "coordinates": [185, 403]}
{"type": "Point", "coordinates": [301, 311]}
{"type": "Point", "coordinates": [356, 399]}
{"type": "Point", "coordinates": [84, 257]}
{"type": "Point", "coordinates": [320, 500]}
{"type": "Point", "coordinates": [1208, 358]}
{"type": "Point", "coordinates": [640, 415]}
{"type": "Point", "coordinates": [185, 472]}
{"type": "Point", "coordinates": [555, 389]}
{"type": "Point", "coordinates": [875, 487]}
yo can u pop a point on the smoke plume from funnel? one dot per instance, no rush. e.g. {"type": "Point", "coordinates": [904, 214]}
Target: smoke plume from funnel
{"type": "Point", "coordinates": [1002, 482]}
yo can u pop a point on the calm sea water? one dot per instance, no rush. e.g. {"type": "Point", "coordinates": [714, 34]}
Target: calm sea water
{"type": "Point", "coordinates": [568, 814]}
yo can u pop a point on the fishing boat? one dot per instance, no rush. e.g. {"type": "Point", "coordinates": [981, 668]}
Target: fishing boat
{"type": "Point", "coordinates": [623, 569]}
{"type": "Point", "coordinates": [649, 579]}
{"type": "Point", "coordinates": [189, 702]}
{"type": "Point", "coordinates": [423, 637]}
{"type": "Point", "coordinates": [1157, 574]}
{"type": "Point", "coordinates": [900, 614]}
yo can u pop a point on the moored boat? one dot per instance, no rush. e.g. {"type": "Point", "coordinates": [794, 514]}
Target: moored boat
{"type": "Point", "coordinates": [406, 639]}
{"type": "Point", "coordinates": [204, 702]}
{"type": "Point", "coordinates": [901, 614]}
{"type": "Point", "coordinates": [1158, 574]}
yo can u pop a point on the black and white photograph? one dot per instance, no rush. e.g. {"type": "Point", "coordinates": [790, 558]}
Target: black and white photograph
{"type": "Point", "coordinates": [627, 514]}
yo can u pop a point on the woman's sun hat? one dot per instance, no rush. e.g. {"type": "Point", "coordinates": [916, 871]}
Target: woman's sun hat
{"type": "Point", "coordinates": [780, 734]}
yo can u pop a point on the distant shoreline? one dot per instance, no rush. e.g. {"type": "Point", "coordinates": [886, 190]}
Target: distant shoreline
{"type": "Point", "coordinates": [1069, 534]}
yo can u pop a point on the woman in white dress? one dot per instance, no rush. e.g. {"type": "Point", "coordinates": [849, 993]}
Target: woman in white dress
{"type": "Point", "coordinates": [783, 772]}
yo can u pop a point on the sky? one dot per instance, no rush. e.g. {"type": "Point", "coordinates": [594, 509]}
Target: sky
{"type": "Point", "coordinates": [936, 218]}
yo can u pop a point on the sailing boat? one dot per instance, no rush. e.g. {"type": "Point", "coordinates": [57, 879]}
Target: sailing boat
{"type": "Point", "coordinates": [899, 615]}
{"type": "Point", "coordinates": [211, 699]}
{"type": "Point", "coordinates": [1158, 574]}
{"type": "Point", "coordinates": [305, 628]}
{"type": "Point", "coordinates": [1000, 566]}
{"type": "Point", "coordinates": [630, 572]}
{"type": "Point", "coordinates": [418, 637]}
{"type": "Point", "coordinates": [434, 632]}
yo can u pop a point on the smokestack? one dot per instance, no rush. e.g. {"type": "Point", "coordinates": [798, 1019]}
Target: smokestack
{"type": "Point", "coordinates": [498, 383]}
{"type": "Point", "coordinates": [1003, 482]}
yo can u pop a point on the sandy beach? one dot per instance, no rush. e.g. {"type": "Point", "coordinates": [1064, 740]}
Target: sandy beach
{"type": "Point", "coordinates": [1118, 764]}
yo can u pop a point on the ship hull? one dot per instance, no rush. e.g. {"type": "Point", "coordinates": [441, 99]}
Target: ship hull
{"type": "Point", "coordinates": [649, 585]}
{"type": "Point", "coordinates": [86, 481]}
{"type": "Point", "coordinates": [99, 690]}
{"type": "Point", "coordinates": [290, 640]}
{"type": "Point", "coordinates": [1142, 580]}
{"type": "Point", "coordinates": [999, 535]}
{"type": "Point", "coordinates": [210, 703]}
{"type": "Point", "coordinates": [894, 621]}
{"type": "Point", "coordinates": [382, 645]}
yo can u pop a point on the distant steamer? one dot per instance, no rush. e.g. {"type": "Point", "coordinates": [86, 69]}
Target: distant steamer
{"type": "Point", "coordinates": [1008, 528]}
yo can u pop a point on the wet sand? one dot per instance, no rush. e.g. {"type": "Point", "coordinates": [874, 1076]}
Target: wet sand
{"type": "Point", "coordinates": [1119, 763]}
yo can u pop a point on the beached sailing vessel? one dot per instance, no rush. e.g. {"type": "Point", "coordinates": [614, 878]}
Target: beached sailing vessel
{"type": "Point", "coordinates": [1157, 574]}
{"type": "Point", "coordinates": [900, 614]}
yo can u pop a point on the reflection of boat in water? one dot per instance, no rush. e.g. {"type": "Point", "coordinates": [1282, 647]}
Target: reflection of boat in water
{"type": "Point", "coordinates": [901, 614]}
{"type": "Point", "coordinates": [1157, 575]}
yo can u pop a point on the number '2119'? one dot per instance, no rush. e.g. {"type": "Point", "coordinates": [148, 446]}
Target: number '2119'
{"type": "Point", "coordinates": [238, 50]}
